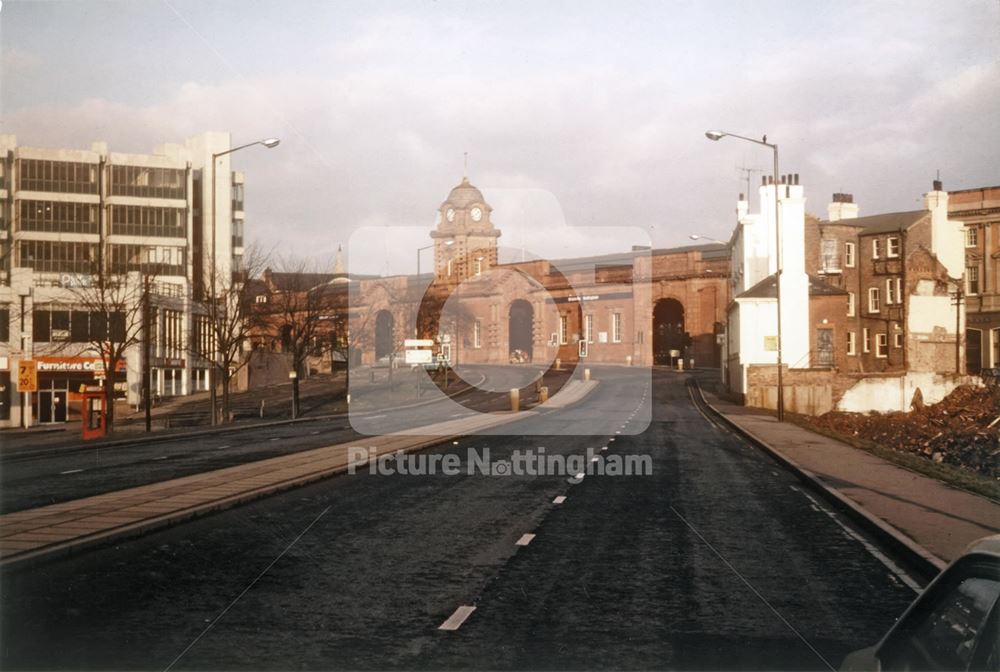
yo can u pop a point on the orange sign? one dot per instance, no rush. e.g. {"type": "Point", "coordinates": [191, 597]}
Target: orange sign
{"type": "Point", "coordinates": [27, 376]}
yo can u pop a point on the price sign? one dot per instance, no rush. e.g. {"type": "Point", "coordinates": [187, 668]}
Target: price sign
{"type": "Point", "coordinates": [27, 376]}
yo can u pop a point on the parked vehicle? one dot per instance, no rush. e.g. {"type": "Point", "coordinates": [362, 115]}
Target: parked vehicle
{"type": "Point", "coordinates": [953, 625]}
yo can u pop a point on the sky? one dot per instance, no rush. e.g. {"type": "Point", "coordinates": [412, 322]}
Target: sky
{"type": "Point", "coordinates": [596, 111]}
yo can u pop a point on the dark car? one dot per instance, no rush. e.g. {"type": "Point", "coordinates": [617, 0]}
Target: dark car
{"type": "Point", "coordinates": [953, 625]}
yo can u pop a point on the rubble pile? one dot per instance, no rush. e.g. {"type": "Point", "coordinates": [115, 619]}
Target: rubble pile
{"type": "Point", "coordinates": [963, 429]}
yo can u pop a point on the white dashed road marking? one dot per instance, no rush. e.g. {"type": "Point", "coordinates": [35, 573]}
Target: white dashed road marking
{"type": "Point", "coordinates": [525, 539]}
{"type": "Point", "coordinates": [161, 457]}
{"type": "Point", "coordinates": [559, 500]}
{"type": "Point", "coordinates": [276, 438]}
{"type": "Point", "coordinates": [70, 471]}
{"type": "Point", "coordinates": [456, 620]}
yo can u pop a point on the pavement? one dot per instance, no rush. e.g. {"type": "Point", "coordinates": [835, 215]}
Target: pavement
{"type": "Point", "coordinates": [73, 525]}
{"type": "Point", "coordinates": [924, 516]}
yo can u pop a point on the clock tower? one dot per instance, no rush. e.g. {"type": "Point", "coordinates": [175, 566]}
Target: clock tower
{"type": "Point", "coordinates": [465, 240]}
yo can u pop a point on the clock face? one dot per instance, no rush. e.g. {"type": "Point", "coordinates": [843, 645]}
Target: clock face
{"type": "Point", "coordinates": [477, 214]}
{"type": "Point", "coordinates": [450, 215]}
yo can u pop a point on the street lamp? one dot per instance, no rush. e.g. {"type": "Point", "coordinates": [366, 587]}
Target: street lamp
{"type": "Point", "coordinates": [716, 136]}
{"type": "Point", "coordinates": [449, 242]}
{"type": "Point", "coordinates": [270, 143]}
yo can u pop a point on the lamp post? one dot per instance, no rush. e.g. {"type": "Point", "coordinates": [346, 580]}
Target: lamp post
{"type": "Point", "coordinates": [716, 136]}
{"type": "Point", "coordinates": [269, 143]}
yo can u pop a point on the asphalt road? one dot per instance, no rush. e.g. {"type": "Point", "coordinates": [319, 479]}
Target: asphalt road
{"type": "Point", "coordinates": [717, 560]}
{"type": "Point", "coordinates": [28, 482]}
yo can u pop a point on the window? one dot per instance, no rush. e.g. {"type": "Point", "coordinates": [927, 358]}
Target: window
{"type": "Point", "coordinates": [144, 181]}
{"type": "Point", "coordinates": [890, 292]}
{"type": "Point", "coordinates": [897, 339]}
{"type": "Point", "coordinates": [48, 256]}
{"type": "Point", "coordinates": [971, 236]}
{"type": "Point", "coordinates": [261, 298]}
{"type": "Point", "coordinates": [563, 328]}
{"type": "Point", "coordinates": [237, 201]}
{"type": "Point", "coordinates": [449, 268]}
{"type": "Point", "coordinates": [866, 340]}
{"type": "Point", "coordinates": [588, 328]}
{"type": "Point", "coordinates": [851, 343]}
{"type": "Point", "coordinates": [478, 266]}
{"type": "Point", "coordinates": [873, 300]}
{"type": "Point", "coordinates": [892, 246]}
{"type": "Point", "coordinates": [477, 334]}
{"type": "Point", "coordinates": [881, 345]}
{"type": "Point", "coordinates": [830, 258]}
{"type": "Point", "coordinates": [942, 632]}
{"type": "Point", "coordinates": [133, 220]}
{"type": "Point", "coordinates": [972, 280]}
{"type": "Point", "coordinates": [899, 290]}
{"type": "Point", "coordinates": [876, 248]}
{"type": "Point", "coordinates": [616, 327]}
{"type": "Point", "coordinates": [4, 325]}
{"type": "Point", "coordinates": [850, 304]}
{"type": "Point", "coordinates": [57, 217]}
{"type": "Point", "coordinates": [59, 176]}
{"type": "Point", "coordinates": [849, 255]}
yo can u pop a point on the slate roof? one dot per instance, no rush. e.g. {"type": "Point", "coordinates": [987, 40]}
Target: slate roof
{"type": "Point", "coordinates": [767, 289]}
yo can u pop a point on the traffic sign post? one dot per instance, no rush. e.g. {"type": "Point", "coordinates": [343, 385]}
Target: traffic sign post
{"type": "Point", "coordinates": [27, 376]}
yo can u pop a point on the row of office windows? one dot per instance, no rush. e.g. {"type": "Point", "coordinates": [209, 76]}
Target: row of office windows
{"type": "Point", "coordinates": [130, 220]}
{"type": "Point", "coordinates": [74, 177]}
{"type": "Point", "coordinates": [167, 334]}
{"type": "Point", "coordinates": [57, 217]}
{"type": "Point", "coordinates": [48, 256]}
{"type": "Point", "coordinates": [66, 177]}
{"type": "Point", "coordinates": [76, 326]}
{"type": "Point", "coordinates": [881, 342]}
{"type": "Point", "coordinates": [148, 259]}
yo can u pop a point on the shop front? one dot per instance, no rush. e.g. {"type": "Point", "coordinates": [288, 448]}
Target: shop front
{"type": "Point", "coordinates": [60, 379]}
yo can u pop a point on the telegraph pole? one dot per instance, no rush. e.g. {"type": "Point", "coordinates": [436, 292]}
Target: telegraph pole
{"type": "Point", "coordinates": [147, 400]}
{"type": "Point", "coordinates": [957, 300]}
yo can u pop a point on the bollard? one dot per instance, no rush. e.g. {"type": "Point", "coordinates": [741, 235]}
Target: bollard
{"type": "Point", "coordinates": [680, 364]}
{"type": "Point", "coordinates": [586, 374]}
{"type": "Point", "coordinates": [515, 400]}
{"type": "Point", "coordinates": [628, 361]}
{"type": "Point", "coordinates": [543, 394]}
{"type": "Point", "coordinates": [262, 408]}
{"type": "Point", "coordinates": [558, 364]}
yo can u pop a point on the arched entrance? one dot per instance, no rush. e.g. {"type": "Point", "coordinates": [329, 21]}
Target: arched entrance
{"type": "Point", "coordinates": [668, 330]}
{"type": "Point", "coordinates": [383, 334]}
{"type": "Point", "coordinates": [519, 329]}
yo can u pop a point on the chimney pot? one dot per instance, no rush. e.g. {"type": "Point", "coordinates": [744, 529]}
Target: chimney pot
{"type": "Point", "coordinates": [796, 178]}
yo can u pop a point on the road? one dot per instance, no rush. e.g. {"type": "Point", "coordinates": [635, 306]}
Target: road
{"type": "Point", "coordinates": [718, 559]}
{"type": "Point", "coordinates": [57, 476]}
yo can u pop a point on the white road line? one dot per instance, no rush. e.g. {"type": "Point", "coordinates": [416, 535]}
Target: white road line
{"type": "Point", "coordinates": [604, 447]}
{"type": "Point", "coordinates": [276, 438]}
{"type": "Point", "coordinates": [161, 457]}
{"type": "Point", "coordinates": [70, 471]}
{"type": "Point", "coordinates": [878, 555]}
{"type": "Point", "coordinates": [374, 417]}
{"type": "Point", "coordinates": [223, 447]}
{"type": "Point", "coordinates": [456, 620]}
{"type": "Point", "coordinates": [313, 433]}
{"type": "Point", "coordinates": [525, 539]}
{"type": "Point", "coordinates": [459, 414]}
{"type": "Point", "coordinates": [559, 500]}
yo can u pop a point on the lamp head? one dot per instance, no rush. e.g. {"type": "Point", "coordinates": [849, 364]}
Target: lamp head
{"type": "Point", "coordinates": [694, 236]}
{"type": "Point", "coordinates": [270, 142]}
{"type": "Point", "coordinates": [714, 135]}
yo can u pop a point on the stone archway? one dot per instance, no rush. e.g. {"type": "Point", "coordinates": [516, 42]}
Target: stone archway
{"type": "Point", "coordinates": [384, 324]}
{"type": "Point", "coordinates": [520, 328]}
{"type": "Point", "coordinates": [668, 330]}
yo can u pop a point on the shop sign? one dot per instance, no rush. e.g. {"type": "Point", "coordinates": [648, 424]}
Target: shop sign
{"type": "Point", "coordinates": [73, 364]}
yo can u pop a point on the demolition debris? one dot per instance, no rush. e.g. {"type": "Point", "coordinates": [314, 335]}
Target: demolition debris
{"type": "Point", "coordinates": [963, 429]}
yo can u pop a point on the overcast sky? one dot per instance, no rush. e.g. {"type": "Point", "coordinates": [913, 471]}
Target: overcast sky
{"type": "Point", "coordinates": [603, 106]}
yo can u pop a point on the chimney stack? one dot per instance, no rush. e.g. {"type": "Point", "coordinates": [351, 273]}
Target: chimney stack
{"type": "Point", "coordinates": [842, 207]}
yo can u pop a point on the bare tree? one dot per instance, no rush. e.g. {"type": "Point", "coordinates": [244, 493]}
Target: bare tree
{"type": "Point", "coordinates": [301, 311]}
{"type": "Point", "coordinates": [108, 318]}
{"type": "Point", "coordinates": [224, 323]}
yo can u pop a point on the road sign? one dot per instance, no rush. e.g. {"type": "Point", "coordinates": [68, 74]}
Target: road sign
{"type": "Point", "coordinates": [418, 343]}
{"type": "Point", "coordinates": [419, 356]}
{"type": "Point", "coordinates": [27, 376]}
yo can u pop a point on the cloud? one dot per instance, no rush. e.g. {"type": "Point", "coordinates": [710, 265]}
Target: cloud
{"type": "Point", "coordinates": [378, 133]}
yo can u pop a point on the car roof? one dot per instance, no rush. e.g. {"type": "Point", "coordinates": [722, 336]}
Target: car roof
{"type": "Point", "coordinates": [986, 545]}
